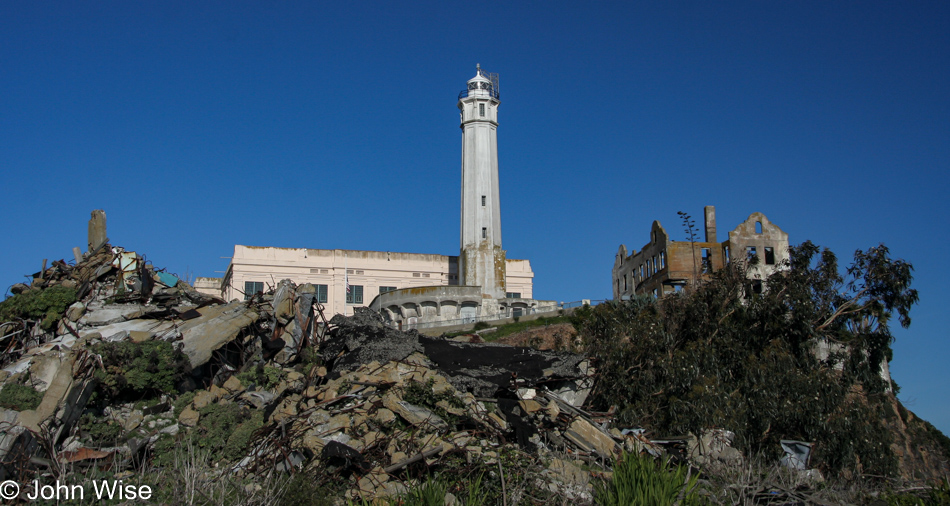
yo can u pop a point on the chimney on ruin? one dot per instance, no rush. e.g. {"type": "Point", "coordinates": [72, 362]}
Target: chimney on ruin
{"type": "Point", "coordinates": [710, 212]}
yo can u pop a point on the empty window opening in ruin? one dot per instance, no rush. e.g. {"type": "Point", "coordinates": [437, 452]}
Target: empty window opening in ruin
{"type": "Point", "coordinates": [725, 254]}
{"type": "Point", "coordinates": [758, 227]}
{"type": "Point", "coordinates": [625, 282]}
{"type": "Point", "coordinates": [662, 259]}
{"type": "Point", "coordinates": [750, 252]}
{"type": "Point", "coordinates": [707, 260]}
{"type": "Point", "coordinates": [754, 287]}
{"type": "Point", "coordinates": [769, 255]}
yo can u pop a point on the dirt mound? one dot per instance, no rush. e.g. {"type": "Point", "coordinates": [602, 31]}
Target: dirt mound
{"type": "Point", "coordinates": [558, 336]}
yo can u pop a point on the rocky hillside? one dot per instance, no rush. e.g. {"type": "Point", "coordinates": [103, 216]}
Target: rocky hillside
{"type": "Point", "coordinates": [115, 370]}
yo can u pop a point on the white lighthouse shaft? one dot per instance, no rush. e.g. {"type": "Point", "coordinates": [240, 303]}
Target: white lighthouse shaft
{"type": "Point", "coordinates": [482, 260]}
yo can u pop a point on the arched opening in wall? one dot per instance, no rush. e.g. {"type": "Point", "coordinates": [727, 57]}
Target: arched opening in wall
{"type": "Point", "coordinates": [395, 311]}
{"type": "Point", "coordinates": [758, 227]}
{"type": "Point", "coordinates": [429, 309]}
{"type": "Point", "coordinates": [450, 309]}
{"type": "Point", "coordinates": [468, 312]}
{"type": "Point", "coordinates": [410, 310]}
{"type": "Point", "coordinates": [519, 309]}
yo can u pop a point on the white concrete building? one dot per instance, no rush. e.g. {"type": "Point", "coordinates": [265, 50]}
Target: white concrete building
{"type": "Point", "coordinates": [369, 273]}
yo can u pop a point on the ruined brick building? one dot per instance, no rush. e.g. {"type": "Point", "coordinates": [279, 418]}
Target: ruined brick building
{"type": "Point", "coordinates": [664, 266]}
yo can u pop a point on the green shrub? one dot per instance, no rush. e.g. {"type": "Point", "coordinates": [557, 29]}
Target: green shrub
{"type": "Point", "coordinates": [637, 479]}
{"type": "Point", "coordinates": [304, 490]}
{"type": "Point", "coordinates": [711, 357]}
{"type": "Point", "coordinates": [46, 305]}
{"type": "Point", "coordinates": [101, 432]}
{"type": "Point", "coordinates": [265, 377]}
{"type": "Point", "coordinates": [19, 397]}
{"type": "Point", "coordinates": [225, 430]}
{"type": "Point", "coordinates": [140, 369]}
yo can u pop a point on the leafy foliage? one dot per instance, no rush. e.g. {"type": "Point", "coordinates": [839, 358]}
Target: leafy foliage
{"type": "Point", "coordinates": [266, 377]}
{"type": "Point", "coordinates": [19, 397]}
{"type": "Point", "coordinates": [637, 479]}
{"type": "Point", "coordinates": [799, 361]}
{"type": "Point", "coordinates": [46, 305]}
{"type": "Point", "coordinates": [140, 369]}
{"type": "Point", "coordinates": [101, 431]}
{"type": "Point", "coordinates": [225, 430]}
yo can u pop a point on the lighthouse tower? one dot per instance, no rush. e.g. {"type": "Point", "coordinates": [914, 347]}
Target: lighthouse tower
{"type": "Point", "coordinates": [482, 261]}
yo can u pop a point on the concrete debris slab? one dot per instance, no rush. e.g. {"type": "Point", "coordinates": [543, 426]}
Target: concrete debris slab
{"type": "Point", "coordinates": [592, 438]}
{"type": "Point", "coordinates": [111, 313]}
{"type": "Point", "coordinates": [217, 326]}
{"type": "Point", "coordinates": [123, 329]}
{"type": "Point", "coordinates": [414, 414]}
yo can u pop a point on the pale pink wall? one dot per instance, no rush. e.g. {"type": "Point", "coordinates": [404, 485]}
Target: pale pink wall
{"type": "Point", "coordinates": [370, 269]}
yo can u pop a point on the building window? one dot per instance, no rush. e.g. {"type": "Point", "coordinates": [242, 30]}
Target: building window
{"type": "Point", "coordinates": [355, 295]}
{"type": "Point", "coordinates": [484, 233]}
{"type": "Point", "coordinates": [758, 227]}
{"type": "Point", "coordinates": [707, 260]}
{"type": "Point", "coordinates": [656, 266]}
{"type": "Point", "coordinates": [625, 282]}
{"type": "Point", "coordinates": [725, 254]}
{"type": "Point", "coordinates": [481, 110]}
{"type": "Point", "coordinates": [662, 259]}
{"type": "Point", "coordinates": [322, 294]}
{"type": "Point", "coordinates": [750, 253]}
{"type": "Point", "coordinates": [769, 255]}
{"type": "Point", "coordinates": [251, 288]}
{"type": "Point", "coordinates": [513, 295]}
{"type": "Point", "coordinates": [483, 201]}
{"type": "Point", "coordinates": [384, 289]}
{"type": "Point", "coordinates": [754, 287]}
{"type": "Point", "coordinates": [641, 272]}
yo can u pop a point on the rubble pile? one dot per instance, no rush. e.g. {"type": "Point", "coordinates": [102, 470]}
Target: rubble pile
{"type": "Point", "coordinates": [268, 385]}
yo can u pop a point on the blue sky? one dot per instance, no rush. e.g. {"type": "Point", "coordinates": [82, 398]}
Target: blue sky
{"type": "Point", "coordinates": [200, 125]}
